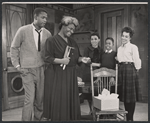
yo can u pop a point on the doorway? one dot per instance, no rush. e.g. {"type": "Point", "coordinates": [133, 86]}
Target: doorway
{"type": "Point", "coordinates": [112, 23]}
{"type": "Point", "coordinates": [110, 19]}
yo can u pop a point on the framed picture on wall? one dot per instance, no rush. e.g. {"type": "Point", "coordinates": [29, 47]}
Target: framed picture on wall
{"type": "Point", "coordinates": [86, 19]}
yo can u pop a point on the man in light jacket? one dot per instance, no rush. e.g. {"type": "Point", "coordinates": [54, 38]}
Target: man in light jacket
{"type": "Point", "coordinates": [27, 55]}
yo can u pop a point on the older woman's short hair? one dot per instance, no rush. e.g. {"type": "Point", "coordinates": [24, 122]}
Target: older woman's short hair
{"type": "Point", "coordinates": [66, 20]}
{"type": "Point", "coordinates": [128, 30]}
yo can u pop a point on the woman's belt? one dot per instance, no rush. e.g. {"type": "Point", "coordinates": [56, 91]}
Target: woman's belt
{"type": "Point", "coordinates": [126, 63]}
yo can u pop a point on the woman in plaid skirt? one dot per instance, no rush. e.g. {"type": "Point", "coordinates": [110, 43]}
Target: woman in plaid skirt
{"type": "Point", "coordinates": [129, 65]}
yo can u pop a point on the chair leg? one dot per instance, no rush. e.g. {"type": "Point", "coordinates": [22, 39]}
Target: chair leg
{"type": "Point", "coordinates": [125, 117]}
{"type": "Point", "coordinates": [90, 106]}
{"type": "Point", "coordinates": [94, 117]}
{"type": "Point", "coordinates": [97, 117]}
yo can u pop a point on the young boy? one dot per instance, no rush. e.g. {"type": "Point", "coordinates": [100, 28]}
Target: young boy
{"type": "Point", "coordinates": [108, 57]}
{"type": "Point", "coordinates": [108, 61]}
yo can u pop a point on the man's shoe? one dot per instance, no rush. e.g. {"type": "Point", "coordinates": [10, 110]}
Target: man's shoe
{"type": "Point", "coordinates": [44, 119]}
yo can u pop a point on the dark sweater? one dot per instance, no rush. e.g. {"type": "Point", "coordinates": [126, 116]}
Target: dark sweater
{"type": "Point", "coordinates": [108, 60]}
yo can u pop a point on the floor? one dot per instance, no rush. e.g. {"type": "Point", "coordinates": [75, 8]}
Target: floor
{"type": "Point", "coordinates": [141, 112]}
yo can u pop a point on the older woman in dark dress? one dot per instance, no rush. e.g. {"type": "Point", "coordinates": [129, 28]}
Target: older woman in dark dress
{"type": "Point", "coordinates": [63, 96]}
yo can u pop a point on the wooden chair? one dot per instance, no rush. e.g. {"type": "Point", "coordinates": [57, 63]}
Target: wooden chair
{"type": "Point", "coordinates": [104, 76]}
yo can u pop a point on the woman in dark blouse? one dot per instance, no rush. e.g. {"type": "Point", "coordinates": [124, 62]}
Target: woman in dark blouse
{"type": "Point", "coordinates": [94, 52]}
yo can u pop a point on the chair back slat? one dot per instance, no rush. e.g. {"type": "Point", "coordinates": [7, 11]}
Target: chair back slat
{"type": "Point", "coordinates": [98, 87]}
{"type": "Point", "coordinates": [116, 84]}
{"type": "Point", "coordinates": [107, 83]}
{"type": "Point", "coordinates": [103, 82]}
{"type": "Point", "coordinates": [103, 79]}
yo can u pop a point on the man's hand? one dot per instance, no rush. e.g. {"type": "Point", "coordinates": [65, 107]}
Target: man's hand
{"type": "Point", "coordinates": [116, 58]}
{"type": "Point", "coordinates": [112, 81]}
{"type": "Point", "coordinates": [21, 70]}
{"type": "Point", "coordinates": [137, 71]}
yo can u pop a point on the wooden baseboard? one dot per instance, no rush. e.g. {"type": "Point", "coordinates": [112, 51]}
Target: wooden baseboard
{"type": "Point", "coordinates": [145, 99]}
{"type": "Point", "coordinates": [14, 102]}
{"type": "Point", "coordinates": [2, 105]}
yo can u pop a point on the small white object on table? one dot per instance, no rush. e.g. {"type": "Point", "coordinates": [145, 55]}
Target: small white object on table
{"type": "Point", "coordinates": [81, 84]}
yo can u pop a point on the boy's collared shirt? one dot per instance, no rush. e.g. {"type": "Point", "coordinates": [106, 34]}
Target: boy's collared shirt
{"type": "Point", "coordinates": [108, 51]}
{"type": "Point", "coordinates": [129, 53]}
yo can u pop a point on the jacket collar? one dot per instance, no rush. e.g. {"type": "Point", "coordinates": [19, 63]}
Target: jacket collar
{"type": "Point", "coordinates": [35, 28]}
{"type": "Point", "coordinates": [92, 48]}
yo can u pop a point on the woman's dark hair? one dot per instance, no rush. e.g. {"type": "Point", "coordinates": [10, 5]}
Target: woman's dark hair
{"type": "Point", "coordinates": [37, 11]}
{"type": "Point", "coordinates": [128, 30]}
{"type": "Point", "coordinates": [110, 38]}
{"type": "Point", "coordinates": [95, 34]}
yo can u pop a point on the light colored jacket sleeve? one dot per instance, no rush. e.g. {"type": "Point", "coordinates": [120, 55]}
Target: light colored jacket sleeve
{"type": "Point", "coordinates": [15, 47]}
{"type": "Point", "coordinates": [49, 34]}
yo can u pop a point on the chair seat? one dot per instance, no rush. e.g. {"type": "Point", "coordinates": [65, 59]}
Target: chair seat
{"type": "Point", "coordinates": [111, 115]}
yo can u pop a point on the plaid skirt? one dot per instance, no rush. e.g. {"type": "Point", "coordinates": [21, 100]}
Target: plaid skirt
{"type": "Point", "coordinates": [130, 89]}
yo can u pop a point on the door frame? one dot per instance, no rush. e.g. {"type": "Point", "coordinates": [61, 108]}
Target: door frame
{"type": "Point", "coordinates": [5, 104]}
{"type": "Point", "coordinates": [8, 102]}
{"type": "Point", "coordinates": [114, 25]}
{"type": "Point", "coordinates": [109, 8]}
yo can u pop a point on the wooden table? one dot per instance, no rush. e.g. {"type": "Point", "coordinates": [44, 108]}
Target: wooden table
{"type": "Point", "coordinates": [86, 88]}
